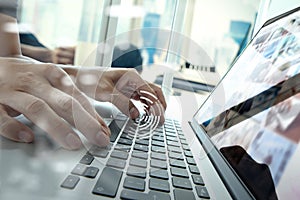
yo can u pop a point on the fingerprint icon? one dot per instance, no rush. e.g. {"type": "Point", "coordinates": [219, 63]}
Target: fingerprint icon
{"type": "Point", "coordinates": [150, 116]}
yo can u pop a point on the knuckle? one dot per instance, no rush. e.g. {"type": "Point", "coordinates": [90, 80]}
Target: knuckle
{"type": "Point", "coordinates": [49, 67]}
{"type": "Point", "coordinates": [65, 103]}
{"type": "Point", "coordinates": [26, 81]}
{"type": "Point", "coordinates": [53, 72]}
{"type": "Point", "coordinates": [103, 97]}
{"type": "Point", "coordinates": [104, 87]}
{"type": "Point", "coordinates": [36, 106]}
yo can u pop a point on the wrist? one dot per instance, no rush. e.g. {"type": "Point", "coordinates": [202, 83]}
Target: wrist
{"type": "Point", "coordinates": [39, 53]}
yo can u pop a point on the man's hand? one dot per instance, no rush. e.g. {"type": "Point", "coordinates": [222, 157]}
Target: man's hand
{"type": "Point", "coordinates": [47, 96]}
{"type": "Point", "coordinates": [63, 55]}
{"type": "Point", "coordinates": [60, 55]}
{"type": "Point", "coordinates": [120, 87]}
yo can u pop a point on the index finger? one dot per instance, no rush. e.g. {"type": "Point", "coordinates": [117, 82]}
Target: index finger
{"type": "Point", "coordinates": [159, 94]}
{"type": "Point", "coordinates": [133, 86]}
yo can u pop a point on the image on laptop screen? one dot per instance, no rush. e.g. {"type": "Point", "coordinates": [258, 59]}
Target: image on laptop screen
{"type": "Point", "coordinates": [256, 110]}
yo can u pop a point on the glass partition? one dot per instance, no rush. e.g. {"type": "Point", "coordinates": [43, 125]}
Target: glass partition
{"type": "Point", "coordinates": [195, 38]}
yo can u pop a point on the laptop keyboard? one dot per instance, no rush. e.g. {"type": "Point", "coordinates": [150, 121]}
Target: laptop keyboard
{"type": "Point", "coordinates": [142, 164]}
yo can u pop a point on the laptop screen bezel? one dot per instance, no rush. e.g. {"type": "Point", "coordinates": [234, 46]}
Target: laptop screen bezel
{"type": "Point", "coordinates": [232, 181]}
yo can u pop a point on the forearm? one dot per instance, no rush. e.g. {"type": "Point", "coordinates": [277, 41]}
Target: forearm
{"type": "Point", "coordinates": [9, 37]}
{"type": "Point", "coordinates": [39, 53]}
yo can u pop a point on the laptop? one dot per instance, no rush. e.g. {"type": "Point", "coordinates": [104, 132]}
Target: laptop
{"type": "Point", "coordinates": [242, 143]}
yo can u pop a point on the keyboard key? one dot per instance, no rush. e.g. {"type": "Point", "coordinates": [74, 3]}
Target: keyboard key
{"type": "Point", "coordinates": [176, 156]}
{"type": "Point", "coordinates": [171, 138]}
{"type": "Point", "coordinates": [179, 132]}
{"type": "Point", "coordinates": [140, 147]}
{"type": "Point", "coordinates": [179, 172]}
{"type": "Point", "coordinates": [174, 149]}
{"type": "Point", "coordinates": [79, 169]}
{"type": "Point", "coordinates": [136, 172]}
{"type": "Point", "coordinates": [140, 154]}
{"type": "Point", "coordinates": [158, 149]}
{"type": "Point", "coordinates": [158, 130]}
{"type": "Point", "coordinates": [125, 141]}
{"type": "Point", "coordinates": [188, 154]}
{"type": "Point", "coordinates": [190, 161]}
{"type": "Point", "coordinates": [115, 127]}
{"type": "Point", "coordinates": [158, 156]}
{"type": "Point", "coordinates": [183, 183]}
{"type": "Point", "coordinates": [202, 192]}
{"type": "Point", "coordinates": [122, 147]}
{"type": "Point", "coordinates": [197, 179]}
{"type": "Point", "coordinates": [158, 143]}
{"type": "Point", "coordinates": [159, 173]}
{"type": "Point", "coordinates": [173, 143]}
{"type": "Point", "coordinates": [177, 163]}
{"type": "Point", "coordinates": [158, 164]}
{"type": "Point", "coordinates": [143, 137]}
{"type": "Point", "coordinates": [134, 183]}
{"type": "Point", "coordinates": [170, 127]}
{"type": "Point", "coordinates": [183, 142]}
{"type": "Point", "coordinates": [186, 147]}
{"type": "Point", "coordinates": [183, 194]}
{"type": "Point", "coordinates": [132, 195]}
{"type": "Point", "coordinates": [117, 163]}
{"type": "Point", "coordinates": [108, 147]}
{"type": "Point", "coordinates": [91, 172]}
{"type": "Point", "coordinates": [138, 162]}
{"type": "Point", "coordinates": [126, 136]}
{"type": "Point", "coordinates": [181, 136]}
{"type": "Point", "coordinates": [108, 182]}
{"type": "Point", "coordinates": [171, 134]}
{"type": "Point", "coordinates": [142, 142]}
{"type": "Point", "coordinates": [87, 159]}
{"type": "Point", "coordinates": [177, 123]}
{"type": "Point", "coordinates": [168, 123]}
{"type": "Point", "coordinates": [102, 153]}
{"type": "Point", "coordinates": [194, 169]}
{"type": "Point", "coordinates": [70, 182]}
{"type": "Point", "coordinates": [119, 154]}
{"type": "Point", "coordinates": [178, 126]}
{"type": "Point", "coordinates": [158, 184]}
{"type": "Point", "coordinates": [154, 195]}
{"type": "Point", "coordinates": [158, 138]}
{"type": "Point", "coordinates": [97, 148]}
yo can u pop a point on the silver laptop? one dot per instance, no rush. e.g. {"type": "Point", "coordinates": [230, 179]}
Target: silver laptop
{"type": "Point", "coordinates": [241, 144]}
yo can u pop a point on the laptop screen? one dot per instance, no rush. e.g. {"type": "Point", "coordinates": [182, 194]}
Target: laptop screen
{"type": "Point", "coordinates": [253, 115]}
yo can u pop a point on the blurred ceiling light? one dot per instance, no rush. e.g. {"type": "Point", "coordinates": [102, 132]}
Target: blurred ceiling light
{"type": "Point", "coordinates": [128, 11]}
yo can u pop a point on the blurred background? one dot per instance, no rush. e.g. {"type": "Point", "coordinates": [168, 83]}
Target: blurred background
{"type": "Point", "coordinates": [185, 35]}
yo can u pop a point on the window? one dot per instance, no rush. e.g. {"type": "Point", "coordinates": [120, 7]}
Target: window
{"type": "Point", "coordinates": [196, 33]}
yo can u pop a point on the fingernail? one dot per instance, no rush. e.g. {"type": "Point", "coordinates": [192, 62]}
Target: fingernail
{"type": "Point", "coordinates": [134, 113]}
{"type": "Point", "coordinates": [102, 139]}
{"type": "Point", "coordinates": [73, 142]}
{"type": "Point", "coordinates": [25, 136]}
